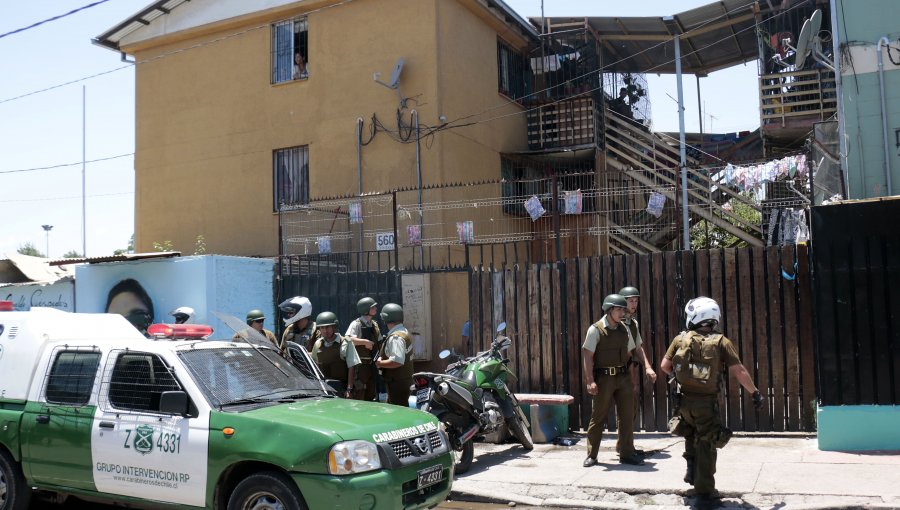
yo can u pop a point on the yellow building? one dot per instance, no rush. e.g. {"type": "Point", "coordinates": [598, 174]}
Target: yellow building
{"type": "Point", "coordinates": [242, 106]}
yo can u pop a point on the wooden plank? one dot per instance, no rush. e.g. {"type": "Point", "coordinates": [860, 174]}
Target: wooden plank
{"type": "Point", "coordinates": [745, 339]}
{"type": "Point", "coordinates": [509, 315]}
{"type": "Point", "coordinates": [731, 327]}
{"type": "Point", "coordinates": [573, 360]}
{"type": "Point", "coordinates": [862, 321]}
{"type": "Point", "coordinates": [522, 326]}
{"type": "Point", "coordinates": [761, 336]}
{"type": "Point", "coordinates": [654, 313]}
{"type": "Point", "coordinates": [555, 339]}
{"type": "Point", "coordinates": [546, 341]}
{"type": "Point", "coordinates": [672, 319]}
{"type": "Point", "coordinates": [583, 291]}
{"type": "Point", "coordinates": [776, 335]}
{"type": "Point", "coordinates": [791, 351]}
{"type": "Point", "coordinates": [487, 303]}
{"type": "Point", "coordinates": [848, 369]}
{"type": "Point", "coordinates": [806, 335]}
{"type": "Point", "coordinates": [701, 261]}
{"type": "Point", "coordinates": [892, 297]}
{"type": "Point", "coordinates": [879, 312]}
{"type": "Point", "coordinates": [689, 277]}
{"type": "Point", "coordinates": [534, 328]}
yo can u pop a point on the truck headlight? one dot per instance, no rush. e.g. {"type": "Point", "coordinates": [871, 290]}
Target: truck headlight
{"type": "Point", "coordinates": [350, 457]}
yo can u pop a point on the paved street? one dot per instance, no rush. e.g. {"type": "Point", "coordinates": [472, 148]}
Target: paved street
{"type": "Point", "coordinates": [781, 472]}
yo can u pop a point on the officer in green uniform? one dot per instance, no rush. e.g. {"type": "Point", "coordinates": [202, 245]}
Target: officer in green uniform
{"type": "Point", "coordinates": [395, 360]}
{"type": "Point", "coordinates": [697, 357]}
{"type": "Point", "coordinates": [334, 354]}
{"type": "Point", "coordinates": [255, 319]}
{"type": "Point", "coordinates": [605, 354]}
{"type": "Point", "coordinates": [299, 328]}
{"type": "Point", "coordinates": [366, 337]}
{"type": "Point", "coordinates": [632, 297]}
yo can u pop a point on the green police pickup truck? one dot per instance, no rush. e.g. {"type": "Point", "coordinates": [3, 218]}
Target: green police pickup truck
{"type": "Point", "coordinates": [91, 408]}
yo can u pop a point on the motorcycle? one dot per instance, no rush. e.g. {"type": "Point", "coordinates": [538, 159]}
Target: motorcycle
{"type": "Point", "coordinates": [472, 398]}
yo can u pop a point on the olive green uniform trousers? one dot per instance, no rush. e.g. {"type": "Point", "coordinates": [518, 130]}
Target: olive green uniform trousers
{"type": "Point", "coordinates": [364, 386]}
{"type": "Point", "coordinates": [612, 388]}
{"type": "Point", "coordinates": [701, 421]}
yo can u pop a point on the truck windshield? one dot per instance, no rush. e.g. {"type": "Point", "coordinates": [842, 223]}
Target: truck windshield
{"type": "Point", "coordinates": [243, 375]}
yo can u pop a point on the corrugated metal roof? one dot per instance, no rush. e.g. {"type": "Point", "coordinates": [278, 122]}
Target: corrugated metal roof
{"type": "Point", "coordinates": [714, 36]}
{"type": "Point", "coordinates": [117, 258]}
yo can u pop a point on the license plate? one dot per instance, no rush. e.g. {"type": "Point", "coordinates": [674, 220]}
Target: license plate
{"type": "Point", "coordinates": [423, 395]}
{"type": "Point", "coordinates": [430, 476]}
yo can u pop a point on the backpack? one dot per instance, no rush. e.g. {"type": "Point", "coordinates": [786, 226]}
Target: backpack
{"type": "Point", "coordinates": [697, 362]}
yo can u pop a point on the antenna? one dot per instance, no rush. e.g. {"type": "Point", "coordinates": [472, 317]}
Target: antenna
{"type": "Point", "coordinates": [803, 45]}
{"type": "Point", "coordinates": [395, 75]}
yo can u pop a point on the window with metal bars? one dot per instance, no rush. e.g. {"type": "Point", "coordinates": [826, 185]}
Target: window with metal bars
{"type": "Point", "coordinates": [510, 71]}
{"type": "Point", "coordinates": [291, 169]}
{"type": "Point", "coordinates": [290, 50]}
{"type": "Point", "coordinates": [71, 378]}
{"type": "Point", "coordinates": [138, 381]}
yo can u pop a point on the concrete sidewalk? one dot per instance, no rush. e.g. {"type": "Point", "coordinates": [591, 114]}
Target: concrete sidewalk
{"type": "Point", "coordinates": [785, 471]}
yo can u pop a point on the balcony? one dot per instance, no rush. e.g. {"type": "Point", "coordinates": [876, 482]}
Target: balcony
{"type": "Point", "coordinates": [791, 102]}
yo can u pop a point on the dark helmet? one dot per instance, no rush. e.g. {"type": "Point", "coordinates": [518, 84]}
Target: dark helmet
{"type": "Point", "coordinates": [364, 305]}
{"type": "Point", "coordinates": [627, 292]}
{"type": "Point", "coordinates": [392, 312]}
{"type": "Point", "coordinates": [255, 315]}
{"type": "Point", "coordinates": [614, 300]}
{"type": "Point", "coordinates": [326, 319]}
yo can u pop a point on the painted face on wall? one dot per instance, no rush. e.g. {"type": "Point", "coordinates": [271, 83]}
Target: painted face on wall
{"type": "Point", "coordinates": [130, 306]}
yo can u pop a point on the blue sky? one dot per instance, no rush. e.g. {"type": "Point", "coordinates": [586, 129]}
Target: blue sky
{"type": "Point", "coordinates": [45, 129]}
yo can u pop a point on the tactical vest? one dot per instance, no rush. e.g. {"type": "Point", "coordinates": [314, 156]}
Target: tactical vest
{"type": "Point", "coordinates": [329, 360]}
{"type": "Point", "coordinates": [612, 347]}
{"type": "Point", "coordinates": [697, 362]}
{"type": "Point", "coordinates": [404, 372]}
{"type": "Point", "coordinates": [633, 328]}
{"type": "Point", "coordinates": [371, 333]}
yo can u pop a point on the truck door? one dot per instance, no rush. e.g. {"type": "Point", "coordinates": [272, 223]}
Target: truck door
{"type": "Point", "coordinates": [56, 428]}
{"type": "Point", "coordinates": [139, 451]}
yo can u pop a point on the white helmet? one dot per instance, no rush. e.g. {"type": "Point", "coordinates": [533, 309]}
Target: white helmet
{"type": "Point", "coordinates": [183, 312]}
{"type": "Point", "coordinates": [301, 306]}
{"type": "Point", "coordinates": [701, 309]}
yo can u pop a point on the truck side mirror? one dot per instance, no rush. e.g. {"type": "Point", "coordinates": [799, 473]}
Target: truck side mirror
{"type": "Point", "coordinates": [173, 402]}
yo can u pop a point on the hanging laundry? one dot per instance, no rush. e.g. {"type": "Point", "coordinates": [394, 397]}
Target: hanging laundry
{"type": "Point", "coordinates": [465, 230]}
{"type": "Point", "coordinates": [355, 210]}
{"type": "Point", "coordinates": [534, 208]}
{"type": "Point", "coordinates": [324, 244]}
{"type": "Point", "coordinates": [655, 204]}
{"type": "Point", "coordinates": [414, 235]}
{"type": "Point", "coordinates": [573, 202]}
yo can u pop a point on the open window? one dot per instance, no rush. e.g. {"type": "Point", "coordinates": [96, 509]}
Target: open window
{"type": "Point", "coordinates": [290, 50]}
{"type": "Point", "coordinates": [291, 169]}
{"type": "Point", "coordinates": [511, 72]}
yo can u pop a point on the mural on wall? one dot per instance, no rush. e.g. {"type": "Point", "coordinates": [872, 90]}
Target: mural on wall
{"type": "Point", "coordinates": [59, 295]}
{"type": "Point", "coordinates": [149, 291]}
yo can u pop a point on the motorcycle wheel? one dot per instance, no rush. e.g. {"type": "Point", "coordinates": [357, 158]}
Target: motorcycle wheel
{"type": "Point", "coordinates": [520, 431]}
{"type": "Point", "coordinates": [465, 457]}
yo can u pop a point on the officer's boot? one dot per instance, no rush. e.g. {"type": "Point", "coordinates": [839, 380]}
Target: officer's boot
{"type": "Point", "coordinates": [689, 474]}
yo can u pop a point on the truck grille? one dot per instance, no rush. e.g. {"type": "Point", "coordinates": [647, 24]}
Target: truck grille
{"type": "Point", "coordinates": [412, 447]}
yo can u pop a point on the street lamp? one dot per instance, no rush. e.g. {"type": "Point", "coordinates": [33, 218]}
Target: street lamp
{"type": "Point", "coordinates": [47, 230]}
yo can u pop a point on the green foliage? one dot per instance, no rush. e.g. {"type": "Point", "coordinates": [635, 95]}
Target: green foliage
{"type": "Point", "coordinates": [200, 245]}
{"type": "Point", "coordinates": [71, 254]}
{"type": "Point", "coordinates": [163, 246]}
{"type": "Point", "coordinates": [707, 235]}
{"type": "Point", "coordinates": [29, 249]}
{"type": "Point", "coordinates": [130, 249]}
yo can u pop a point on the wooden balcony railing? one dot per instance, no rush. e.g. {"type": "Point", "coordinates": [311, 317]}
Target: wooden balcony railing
{"type": "Point", "coordinates": [798, 96]}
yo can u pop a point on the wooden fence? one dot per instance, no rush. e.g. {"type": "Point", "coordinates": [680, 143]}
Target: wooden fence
{"type": "Point", "coordinates": [766, 300]}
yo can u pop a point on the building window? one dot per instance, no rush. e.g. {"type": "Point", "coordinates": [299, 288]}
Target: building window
{"type": "Point", "coordinates": [510, 72]}
{"type": "Point", "coordinates": [290, 50]}
{"type": "Point", "coordinates": [291, 168]}
{"type": "Point", "coordinates": [71, 378]}
{"type": "Point", "coordinates": [138, 381]}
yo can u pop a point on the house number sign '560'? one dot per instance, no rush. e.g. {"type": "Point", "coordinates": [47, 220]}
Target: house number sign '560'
{"type": "Point", "coordinates": [384, 241]}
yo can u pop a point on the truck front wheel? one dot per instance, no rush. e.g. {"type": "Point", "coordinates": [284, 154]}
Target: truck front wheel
{"type": "Point", "coordinates": [268, 490]}
{"type": "Point", "coordinates": [14, 493]}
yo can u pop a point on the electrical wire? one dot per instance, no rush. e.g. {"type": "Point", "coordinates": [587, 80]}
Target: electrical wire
{"type": "Point", "coordinates": [65, 198]}
{"type": "Point", "coordinates": [19, 170]}
{"type": "Point", "coordinates": [54, 18]}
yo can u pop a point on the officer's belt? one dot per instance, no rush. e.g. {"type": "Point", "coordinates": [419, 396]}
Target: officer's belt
{"type": "Point", "coordinates": [611, 370]}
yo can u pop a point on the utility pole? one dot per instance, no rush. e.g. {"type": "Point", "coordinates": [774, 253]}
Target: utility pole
{"type": "Point", "coordinates": [47, 229]}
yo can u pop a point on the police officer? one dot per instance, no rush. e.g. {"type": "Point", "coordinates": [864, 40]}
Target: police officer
{"type": "Point", "coordinates": [182, 314]}
{"type": "Point", "coordinates": [697, 357]}
{"type": "Point", "coordinates": [395, 360]}
{"type": "Point", "coordinates": [334, 354]}
{"type": "Point", "coordinates": [607, 348]}
{"type": "Point", "coordinates": [255, 319]}
{"type": "Point", "coordinates": [366, 337]}
{"type": "Point", "coordinates": [632, 297]}
{"type": "Point", "coordinates": [299, 328]}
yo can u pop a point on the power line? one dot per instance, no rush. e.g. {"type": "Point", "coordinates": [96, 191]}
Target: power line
{"type": "Point", "coordinates": [54, 18]}
{"type": "Point", "coordinates": [65, 198]}
{"type": "Point", "coordinates": [64, 164]}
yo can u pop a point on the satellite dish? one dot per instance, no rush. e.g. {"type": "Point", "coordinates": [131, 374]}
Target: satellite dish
{"type": "Point", "coordinates": [816, 22]}
{"type": "Point", "coordinates": [398, 68]}
{"type": "Point", "coordinates": [803, 44]}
